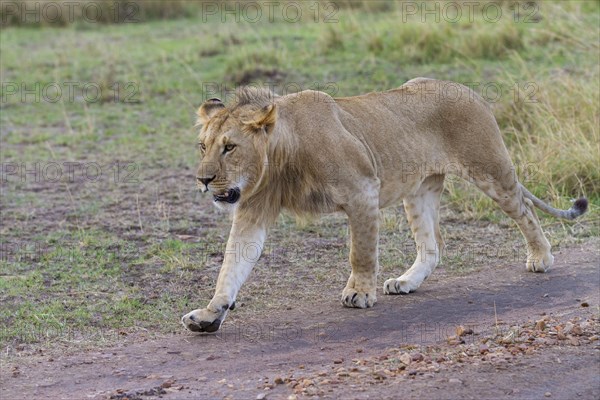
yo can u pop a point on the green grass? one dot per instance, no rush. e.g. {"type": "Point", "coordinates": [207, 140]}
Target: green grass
{"type": "Point", "coordinates": [159, 272]}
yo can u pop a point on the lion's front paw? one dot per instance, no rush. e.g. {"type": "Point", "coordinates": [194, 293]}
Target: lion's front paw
{"type": "Point", "coordinates": [540, 263]}
{"type": "Point", "coordinates": [202, 320]}
{"type": "Point", "coordinates": [399, 286]}
{"type": "Point", "coordinates": [357, 299]}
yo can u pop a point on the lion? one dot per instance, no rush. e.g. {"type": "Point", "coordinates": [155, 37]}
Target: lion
{"type": "Point", "coordinates": [310, 153]}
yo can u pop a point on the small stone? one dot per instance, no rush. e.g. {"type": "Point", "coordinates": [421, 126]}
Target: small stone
{"type": "Point", "coordinates": [261, 396]}
{"type": "Point", "coordinates": [568, 328]}
{"type": "Point", "coordinates": [585, 325]}
{"type": "Point", "coordinates": [540, 325]}
{"type": "Point", "coordinates": [417, 357]}
{"type": "Point", "coordinates": [585, 304]}
{"type": "Point", "coordinates": [405, 358]}
{"type": "Point", "coordinates": [292, 397]}
{"type": "Point", "coordinates": [338, 361]}
{"type": "Point", "coordinates": [462, 331]}
{"type": "Point", "coordinates": [455, 340]}
{"type": "Point", "coordinates": [454, 380]}
{"type": "Point", "coordinates": [577, 331]}
{"type": "Point", "coordinates": [523, 347]}
{"type": "Point", "coordinates": [483, 349]}
{"type": "Point", "coordinates": [379, 375]}
{"type": "Point", "coordinates": [278, 380]}
{"type": "Point", "coordinates": [547, 394]}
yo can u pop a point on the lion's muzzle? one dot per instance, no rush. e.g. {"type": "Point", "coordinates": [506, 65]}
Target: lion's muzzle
{"type": "Point", "coordinates": [203, 183]}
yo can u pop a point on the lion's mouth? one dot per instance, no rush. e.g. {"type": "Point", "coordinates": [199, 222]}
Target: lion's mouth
{"type": "Point", "coordinates": [231, 196]}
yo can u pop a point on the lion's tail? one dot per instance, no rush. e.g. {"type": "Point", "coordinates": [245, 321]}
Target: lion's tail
{"type": "Point", "coordinates": [578, 208]}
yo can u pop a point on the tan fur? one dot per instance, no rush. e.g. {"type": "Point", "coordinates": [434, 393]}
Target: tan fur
{"type": "Point", "coordinates": [309, 153]}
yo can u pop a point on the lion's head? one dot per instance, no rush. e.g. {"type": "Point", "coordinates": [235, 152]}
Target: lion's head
{"type": "Point", "coordinates": [233, 143]}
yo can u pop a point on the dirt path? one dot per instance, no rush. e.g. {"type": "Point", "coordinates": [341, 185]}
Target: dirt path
{"type": "Point", "coordinates": [315, 340]}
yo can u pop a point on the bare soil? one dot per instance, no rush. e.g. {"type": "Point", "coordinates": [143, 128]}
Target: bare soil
{"type": "Point", "coordinates": [322, 349]}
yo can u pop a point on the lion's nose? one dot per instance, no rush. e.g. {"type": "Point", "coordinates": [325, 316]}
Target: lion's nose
{"type": "Point", "coordinates": [205, 181]}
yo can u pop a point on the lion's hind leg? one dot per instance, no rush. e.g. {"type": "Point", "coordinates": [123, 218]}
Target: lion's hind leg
{"type": "Point", "coordinates": [422, 211]}
{"type": "Point", "coordinates": [507, 192]}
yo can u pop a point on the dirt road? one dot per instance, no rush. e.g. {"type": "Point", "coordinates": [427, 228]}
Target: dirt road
{"type": "Point", "coordinates": [334, 352]}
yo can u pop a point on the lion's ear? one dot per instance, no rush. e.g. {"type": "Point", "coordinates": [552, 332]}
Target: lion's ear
{"type": "Point", "coordinates": [263, 118]}
{"type": "Point", "coordinates": [208, 109]}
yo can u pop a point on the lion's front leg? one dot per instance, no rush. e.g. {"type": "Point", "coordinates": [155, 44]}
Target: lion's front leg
{"type": "Point", "coordinates": [360, 291]}
{"type": "Point", "coordinates": [244, 247]}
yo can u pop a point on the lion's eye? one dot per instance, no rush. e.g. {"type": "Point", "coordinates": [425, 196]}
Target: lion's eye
{"type": "Point", "coordinates": [228, 148]}
{"type": "Point", "coordinates": [202, 146]}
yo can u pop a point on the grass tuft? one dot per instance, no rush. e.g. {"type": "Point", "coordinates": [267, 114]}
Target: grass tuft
{"type": "Point", "coordinates": [252, 67]}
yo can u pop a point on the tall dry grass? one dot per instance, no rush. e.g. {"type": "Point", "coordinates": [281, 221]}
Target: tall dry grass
{"type": "Point", "coordinates": [549, 115]}
{"type": "Point", "coordinates": [50, 13]}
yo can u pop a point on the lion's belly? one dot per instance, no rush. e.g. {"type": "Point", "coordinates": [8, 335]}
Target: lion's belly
{"type": "Point", "coordinates": [392, 191]}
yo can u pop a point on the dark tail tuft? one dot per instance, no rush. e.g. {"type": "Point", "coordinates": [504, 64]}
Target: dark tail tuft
{"type": "Point", "coordinates": [579, 207]}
